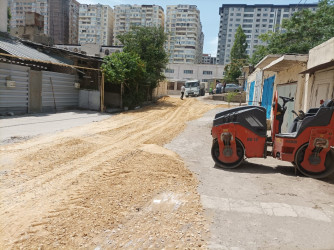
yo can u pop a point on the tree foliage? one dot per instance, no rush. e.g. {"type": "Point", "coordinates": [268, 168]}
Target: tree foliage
{"type": "Point", "coordinates": [239, 47]}
{"type": "Point", "coordinates": [148, 43]}
{"type": "Point", "coordinates": [129, 70]}
{"type": "Point", "coordinates": [139, 67]}
{"type": "Point", "coordinates": [303, 31]}
{"type": "Point", "coordinates": [9, 17]}
{"type": "Point", "coordinates": [238, 57]}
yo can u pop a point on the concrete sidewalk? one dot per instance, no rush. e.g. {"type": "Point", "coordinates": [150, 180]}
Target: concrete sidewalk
{"type": "Point", "coordinates": [18, 128]}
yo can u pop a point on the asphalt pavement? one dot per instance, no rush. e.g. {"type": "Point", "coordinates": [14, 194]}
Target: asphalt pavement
{"type": "Point", "coordinates": [262, 204]}
{"type": "Point", "coordinates": [18, 128]}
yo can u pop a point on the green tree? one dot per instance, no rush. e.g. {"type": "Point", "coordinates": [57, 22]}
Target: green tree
{"type": "Point", "coordinates": [9, 17]}
{"type": "Point", "coordinates": [239, 47]}
{"type": "Point", "coordinates": [148, 43]}
{"type": "Point", "coordinates": [260, 52]}
{"type": "Point", "coordinates": [238, 57]}
{"type": "Point", "coordinates": [303, 31]}
{"type": "Point", "coordinates": [126, 69]}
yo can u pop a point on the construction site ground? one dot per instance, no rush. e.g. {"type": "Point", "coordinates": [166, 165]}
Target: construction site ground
{"type": "Point", "coordinates": [145, 179]}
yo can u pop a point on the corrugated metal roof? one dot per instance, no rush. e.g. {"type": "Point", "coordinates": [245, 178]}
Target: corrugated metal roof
{"type": "Point", "coordinates": [16, 48]}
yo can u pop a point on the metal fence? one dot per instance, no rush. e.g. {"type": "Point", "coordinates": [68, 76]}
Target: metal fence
{"type": "Point", "coordinates": [14, 88]}
{"type": "Point", "coordinates": [58, 91]}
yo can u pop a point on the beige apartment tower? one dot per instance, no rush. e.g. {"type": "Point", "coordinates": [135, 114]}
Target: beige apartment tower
{"type": "Point", "coordinates": [74, 22]}
{"type": "Point", "coordinates": [185, 40]}
{"type": "Point", "coordinates": [96, 24]}
{"type": "Point", "coordinates": [127, 16]}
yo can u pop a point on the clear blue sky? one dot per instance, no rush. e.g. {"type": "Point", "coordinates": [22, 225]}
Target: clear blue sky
{"type": "Point", "coordinates": [209, 13]}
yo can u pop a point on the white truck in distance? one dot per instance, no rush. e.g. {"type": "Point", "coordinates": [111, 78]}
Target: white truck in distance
{"type": "Point", "coordinates": [194, 88]}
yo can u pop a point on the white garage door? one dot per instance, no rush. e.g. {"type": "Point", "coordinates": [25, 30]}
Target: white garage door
{"type": "Point", "coordinates": [287, 90]}
{"type": "Point", "coordinates": [322, 88]}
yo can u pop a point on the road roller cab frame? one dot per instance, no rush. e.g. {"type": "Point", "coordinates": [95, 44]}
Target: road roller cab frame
{"type": "Point", "coordinates": [309, 144]}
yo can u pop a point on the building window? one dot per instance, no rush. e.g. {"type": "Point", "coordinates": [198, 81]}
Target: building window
{"type": "Point", "coordinates": [187, 71]}
{"type": "Point", "coordinates": [169, 70]}
{"type": "Point", "coordinates": [207, 72]}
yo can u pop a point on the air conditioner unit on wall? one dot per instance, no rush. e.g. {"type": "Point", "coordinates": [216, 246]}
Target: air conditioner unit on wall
{"type": "Point", "coordinates": [10, 84]}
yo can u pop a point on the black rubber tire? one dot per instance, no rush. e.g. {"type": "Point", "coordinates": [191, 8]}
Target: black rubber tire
{"type": "Point", "coordinates": [215, 154]}
{"type": "Point", "coordinates": [329, 163]}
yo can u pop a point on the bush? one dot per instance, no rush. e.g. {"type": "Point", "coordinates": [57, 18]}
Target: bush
{"type": "Point", "coordinates": [230, 96]}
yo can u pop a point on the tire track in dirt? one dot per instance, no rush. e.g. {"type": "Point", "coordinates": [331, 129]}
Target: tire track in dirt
{"type": "Point", "coordinates": [66, 184]}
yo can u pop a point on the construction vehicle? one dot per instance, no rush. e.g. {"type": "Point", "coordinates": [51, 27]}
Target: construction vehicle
{"type": "Point", "coordinates": [309, 144]}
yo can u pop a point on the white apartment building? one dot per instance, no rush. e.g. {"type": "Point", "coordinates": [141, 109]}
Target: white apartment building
{"type": "Point", "coordinates": [95, 24]}
{"type": "Point", "coordinates": [19, 7]}
{"type": "Point", "coordinates": [127, 15]}
{"type": "Point", "coordinates": [177, 72]}
{"type": "Point", "coordinates": [254, 20]}
{"type": "Point", "coordinates": [208, 59]}
{"type": "Point", "coordinates": [185, 39]}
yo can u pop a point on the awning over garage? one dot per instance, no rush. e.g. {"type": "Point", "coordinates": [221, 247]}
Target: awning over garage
{"type": "Point", "coordinates": [285, 62]}
{"type": "Point", "coordinates": [318, 67]}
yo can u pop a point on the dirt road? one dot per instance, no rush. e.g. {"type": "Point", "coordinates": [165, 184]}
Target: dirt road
{"type": "Point", "coordinates": [104, 185]}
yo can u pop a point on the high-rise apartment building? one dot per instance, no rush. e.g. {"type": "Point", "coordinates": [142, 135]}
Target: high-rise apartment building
{"type": "Point", "coordinates": [185, 39]}
{"type": "Point", "coordinates": [127, 16]}
{"type": "Point", "coordinates": [254, 20]}
{"type": "Point", "coordinates": [95, 24]}
{"type": "Point", "coordinates": [60, 17]}
{"type": "Point", "coordinates": [19, 7]}
{"type": "Point", "coordinates": [74, 22]}
{"type": "Point", "coordinates": [208, 59]}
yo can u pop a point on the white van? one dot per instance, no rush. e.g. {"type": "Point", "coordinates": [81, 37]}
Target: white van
{"type": "Point", "coordinates": [194, 88]}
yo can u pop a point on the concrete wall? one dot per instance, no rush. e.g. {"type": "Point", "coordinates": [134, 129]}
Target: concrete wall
{"type": "Point", "coordinates": [198, 70]}
{"type": "Point", "coordinates": [89, 99]}
{"type": "Point", "coordinates": [3, 15]}
{"type": "Point", "coordinates": [258, 88]}
{"type": "Point", "coordinates": [323, 53]}
{"type": "Point", "coordinates": [292, 75]}
{"type": "Point", "coordinates": [35, 91]}
{"type": "Point", "coordinates": [161, 90]}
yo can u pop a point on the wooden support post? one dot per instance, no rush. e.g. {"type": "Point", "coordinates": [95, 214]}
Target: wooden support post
{"type": "Point", "coordinates": [102, 93]}
{"type": "Point", "coordinates": [53, 93]}
{"type": "Point", "coordinates": [122, 96]}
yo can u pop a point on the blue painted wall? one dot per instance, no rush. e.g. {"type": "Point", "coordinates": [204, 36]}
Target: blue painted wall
{"type": "Point", "coordinates": [251, 93]}
{"type": "Point", "coordinates": [267, 94]}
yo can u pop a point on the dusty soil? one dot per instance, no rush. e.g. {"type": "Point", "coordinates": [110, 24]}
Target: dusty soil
{"type": "Point", "coordinates": [108, 184]}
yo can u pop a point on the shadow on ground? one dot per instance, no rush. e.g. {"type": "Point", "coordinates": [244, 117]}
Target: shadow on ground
{"type": "Point", "coordinates": [252, 168]}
